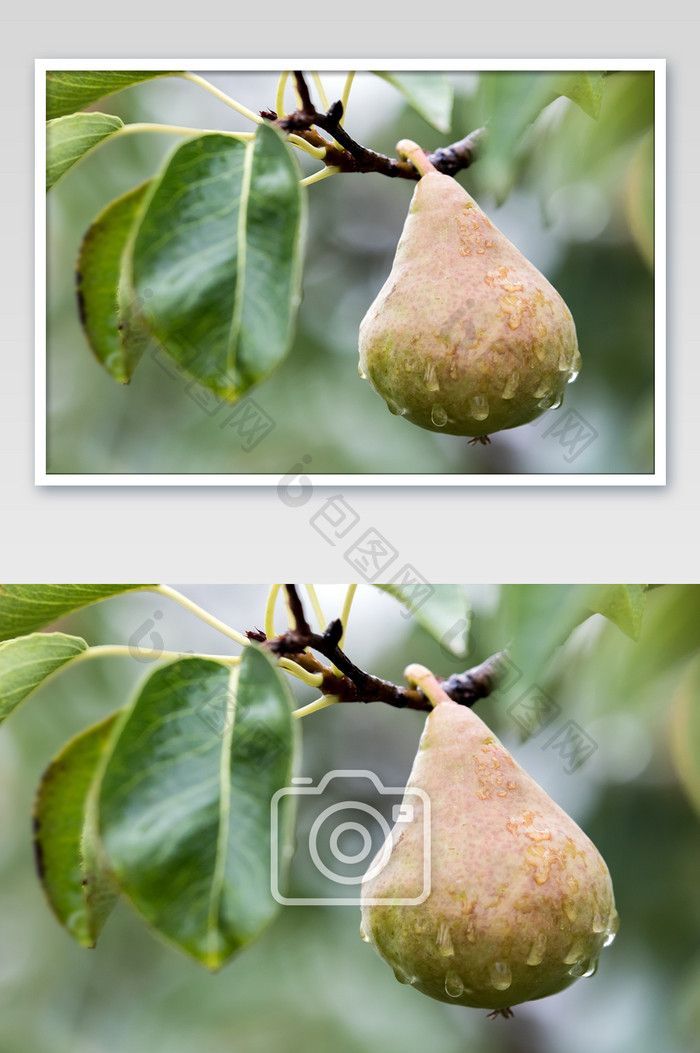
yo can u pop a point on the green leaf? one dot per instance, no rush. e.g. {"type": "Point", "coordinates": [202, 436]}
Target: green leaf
{"type": "Point", "coordinates": [79, 892]}
{"type": "Point", "coordinates": [585, 89]}
{"type": "Point", "coordinates": [24, 608]}
{"type": "Point", "coordinates": [71, 90]}
{"type": "Point", "coordinates": [430, 94]}
{"type": "Point", "coordinates": [217, 258]}
{"type": "Point", "coordinates": [185, 801]}
{"type": "Point", "coordinates": [443, 611]}
{"type": "Point", "coordinates": [98, 280]}
{"type": "Point", "coordinates": [536, 620]}
{"type": "Point", "coordinates": [510, 101]}
{"type": "Point", "coordinates": [685, 731]}
{"type": "Point", "coordinates": [622, 604]}
{"type": "Point", "coordinates": [26, 662]}
{"type": "Point", "coordinates": [68, 139]}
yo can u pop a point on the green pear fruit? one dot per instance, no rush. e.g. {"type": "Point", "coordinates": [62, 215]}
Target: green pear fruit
{"type": "Point", "coordinates": [520, 901]}
{"type": "Point", "coordinates": [466, 336]}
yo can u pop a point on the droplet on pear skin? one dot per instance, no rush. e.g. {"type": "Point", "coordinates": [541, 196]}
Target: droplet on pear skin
{"type": "Point", "coordinates": [430, 377]}
{"type": "Point", "coordinates": [501, 977]}
{"type": "Point", "coordinates": [576, 951]}
{"type": "Point", "coordinates": [444, 940]}
{"type": "Point", "coordinates": [479, 407]}
{"type": "Point", "coordinates": [537, 950]}
{"type": "Point", "coordinates": [453, 985]}
{"type": "Point", "coordinates": [438, 416]}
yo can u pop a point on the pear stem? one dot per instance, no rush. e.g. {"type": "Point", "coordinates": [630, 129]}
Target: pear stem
{"type": "Point", "coordinates": [420, 677]}
{"type": "Point", "coordinates": [416, 155]}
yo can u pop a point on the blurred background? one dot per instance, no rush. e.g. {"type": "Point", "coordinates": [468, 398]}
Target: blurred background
{"type": "Point", "coordinates": [310, 982]}
{"type": "Point", "coordinates": [574, 194]}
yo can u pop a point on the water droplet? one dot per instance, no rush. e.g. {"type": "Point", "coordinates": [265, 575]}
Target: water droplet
{"type": "Point", "coordinates": [500, 976]}
{"type": "Point", "coordinates": [479, 407]}
{"type": "Point", "coordinates": [612, 927]}
{"type": "Point", "coordinates": [548, 401]}
{"type": "Point", "coordinates": [558, 399]}
{"type": "Point", "coordinates": [592, 968]}
{"type": "Point", "coordinates": [569, 908]}
{"type": "Point", "coordinates": [597, 924]}
{"type": "Point", "coordinates": [453, 985]}
{"type": "Point", "coordinates": [575, 953]}
{"type": "Point", "coordinates": [537, 950]}
{"type": "Point", "coordinates": [393, 407]}
{"type": "Point", "coordinates": [403, 977]}
{"type": "Point", "coordinates": [572, 376]}
{"type": "Point", "coordinates": [576, 361]}
{"type": "Point", "coordinates": [542, 390]}
{"type": "Point", "coordinates": [579, 968]}
{"type": "Point", "coordinates": [438, 416]}
{"type": "Point", "coordinates": [430, 377]}
{"type": "Point", "coordinates": [444, 940]}
{"type": "Point", "coordinates": [361, 372]}
{"type": "Point", "coordinates": [363, 935]}
{"type": "Point", "coordinates": [511, 387]}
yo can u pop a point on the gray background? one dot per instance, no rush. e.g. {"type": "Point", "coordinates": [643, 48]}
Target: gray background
{"type": "Point", "coordinates": [501, 533]}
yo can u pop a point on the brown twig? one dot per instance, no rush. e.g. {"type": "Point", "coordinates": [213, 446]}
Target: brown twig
{"type": "Point", "coordinates": [356, 685]}
{"type": "Point", "coordinates": [349, 156]}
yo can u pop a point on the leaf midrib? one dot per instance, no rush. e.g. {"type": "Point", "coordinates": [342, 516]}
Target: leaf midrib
{"type": "Point", "coordinates": [219, 872]}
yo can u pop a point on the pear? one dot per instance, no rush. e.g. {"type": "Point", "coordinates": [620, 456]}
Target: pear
{"type": "Point", "coordinates": [466, 336]}
{"type": "Point", "coordinates": [520, 901]}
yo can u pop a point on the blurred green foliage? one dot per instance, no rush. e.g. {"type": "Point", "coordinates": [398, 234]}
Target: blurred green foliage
{"type": "Point", "coordinates": [576, 198]}
{"type": "Point", "coordinates": [310, 982]}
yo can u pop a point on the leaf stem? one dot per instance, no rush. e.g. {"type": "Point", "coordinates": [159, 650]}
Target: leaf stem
{"type": "Point", "coordinates": [313, 151]}
{"type": "Point", "coordinates": [199, 612]}
{"type": "Point", "coordinates": [320, 89]}
{"type": "Point", "coordinates": [148, 654]}
{"type": "Point", "coordinates": [313, 707]}
{"type": "Point", "coordinates": [345, 613]}
{"type": "Point", "coordinates": [289, 666]}
{"type": "Point", "coordinates": [175, 129]}
{"type": "Point", "coordinates": [311, 589]}
{"type": "Point", "coordinates": [318, 176]}
{"type": "Point", "coordinates": [270, 611]}
{"type": "Point", "coordinates": [222, 96]}
{"type": "Point", "coordinates": [346, 95]}
{"type": "Point", "coordinates": [279, 101]}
